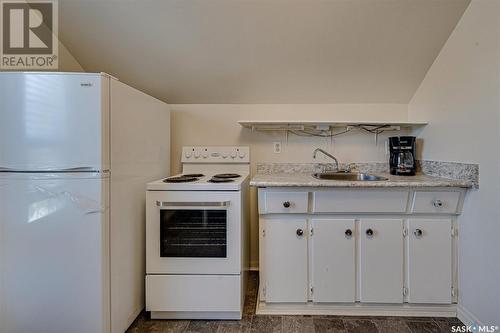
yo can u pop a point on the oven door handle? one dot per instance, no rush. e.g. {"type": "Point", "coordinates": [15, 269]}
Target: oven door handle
{"type": "Point", "coordinates": [193, 204]}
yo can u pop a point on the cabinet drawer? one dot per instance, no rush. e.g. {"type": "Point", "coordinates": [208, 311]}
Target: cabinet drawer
{"type": "Point", "coordinates": [360, 201]}
{"type": "Point", "coordinates": [193, 293]}
{"type": "Point", "coordinates": [435, 202]}
{"type": "Point", "coordinates": [285, 202]}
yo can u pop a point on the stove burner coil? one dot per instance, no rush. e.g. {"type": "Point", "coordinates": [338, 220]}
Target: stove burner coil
{"type": "Point", "coordinates": [180, 179]}
{"type": "Point", "coordinates": [196, 175]}
{"type": "Point", "coordinates": [220, 180]}
{"type": "Point", "coordinates": [226, 175]}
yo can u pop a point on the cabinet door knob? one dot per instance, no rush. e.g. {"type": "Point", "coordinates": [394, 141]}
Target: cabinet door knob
{"type": "Point", "coordinates": [437, 203]}
{"type": "Point", "coordinates": [299, 232]}
{"type": "Point", "coordinates": [348, 233]}
{"type": "Point", "coordinates": [286, 204]}
{"type": "Point", "coordinates": [369, 232]}
{"type": "Point", "coordinates": [418, 232]}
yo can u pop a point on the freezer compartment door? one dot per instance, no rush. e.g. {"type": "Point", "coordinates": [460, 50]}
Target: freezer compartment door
{"type": "Point", "coordinates": [54, 257]}
{"type": "Point", "coordinates": [54, 121]}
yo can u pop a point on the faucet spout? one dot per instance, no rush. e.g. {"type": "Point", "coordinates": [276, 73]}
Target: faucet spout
{"type": "Point", "coordinates": [327, 154]}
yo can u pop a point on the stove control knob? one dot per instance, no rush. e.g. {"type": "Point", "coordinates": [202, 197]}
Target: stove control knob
{"type": "Point", "coordinates": [196, 154]}
{"type": "Point", "coordinates": [188, 154]}
{"type": "Point", "coordinates": [241, 154]}
{"type": "Point", "coordinates": [233, 154]}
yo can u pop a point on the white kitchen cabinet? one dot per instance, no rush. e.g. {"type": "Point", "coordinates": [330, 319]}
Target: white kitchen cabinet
{"type": "Point", "coordinates": [398, 257]}
{"type": "Point", "coordinates": [429, 260]}
{"type": "Point", "coordinates": [333, 249]}
{"type": "Point", "coordinates": [285, 253]}
{"type": "Point", "coordinates": [381, 260]}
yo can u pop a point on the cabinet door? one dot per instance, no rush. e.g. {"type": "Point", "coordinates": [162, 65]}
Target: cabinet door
{"type": "Point", "coordinates": [429, 261]}
{"type": "Point", "coordinates": [381, 260]}
{"type": "Point", "coordinates": [285, 255]}
{"type": "Point", "coordinates": [333, 260]}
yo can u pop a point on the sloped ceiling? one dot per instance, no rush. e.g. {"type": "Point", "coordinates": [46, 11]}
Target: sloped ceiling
{"type": "Point", "coordinates": [262, 51]}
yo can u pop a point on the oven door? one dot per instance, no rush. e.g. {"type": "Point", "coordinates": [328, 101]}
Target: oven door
{"type": "Point", "coordinates": [193, 232]}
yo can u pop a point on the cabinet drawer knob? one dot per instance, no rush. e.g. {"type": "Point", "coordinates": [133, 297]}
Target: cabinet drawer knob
{"type": "Point", "coordinates": [286, 204]}
{"type": "Point", "coordinates": [369, 232]}
{"type": "Point", "coordinates": [348, 233]}
{"type": "Point", "coordinates": [437, 203]}
{"type": "Point", "coordinates": [300, 232]}
{"type": "Point", "coordinates": [418, 233]}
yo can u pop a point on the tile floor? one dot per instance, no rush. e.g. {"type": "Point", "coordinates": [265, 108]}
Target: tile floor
{"type": "Point", "coordinates": [252, 323]}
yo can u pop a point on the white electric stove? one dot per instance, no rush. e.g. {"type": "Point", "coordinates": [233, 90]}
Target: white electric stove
{"type": "Point", "coordinates": [197, 236]}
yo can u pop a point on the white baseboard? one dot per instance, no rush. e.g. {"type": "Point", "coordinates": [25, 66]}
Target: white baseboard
{"type": "Point", "coordinates": [467, 317]}
{"type": "Point", "coordinates": [407, 310]}
{"type": "Point", "coordinates": [356, 309]}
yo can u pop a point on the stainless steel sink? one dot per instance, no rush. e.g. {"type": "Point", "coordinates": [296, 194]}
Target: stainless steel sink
{"type": "Point", "coordinates": [349, 176]}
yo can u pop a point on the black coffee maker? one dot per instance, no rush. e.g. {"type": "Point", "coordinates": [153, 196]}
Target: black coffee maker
{"type": "Point", "coordinates": [402, 155]}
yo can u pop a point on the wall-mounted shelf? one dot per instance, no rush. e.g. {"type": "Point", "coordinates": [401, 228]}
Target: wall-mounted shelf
{"type": "Point", "coordinates": [328, 129]}
{"type": "Point", "coordinates": [271, 125]}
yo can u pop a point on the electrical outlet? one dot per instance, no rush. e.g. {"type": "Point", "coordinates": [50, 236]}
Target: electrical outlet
{"type": "Point", "coordinates": [277, 147]}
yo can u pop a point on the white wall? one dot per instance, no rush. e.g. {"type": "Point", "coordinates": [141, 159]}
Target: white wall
{"type": "Point", "coordinates": [67, 62]}
{"type": "Point", "coordinates": [216, 124]}
{"type": "Point", "coordinates": [460, 97]}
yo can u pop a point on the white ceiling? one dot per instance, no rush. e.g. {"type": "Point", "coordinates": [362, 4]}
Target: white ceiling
{"type": "Point", "coordinates": [262, 51]}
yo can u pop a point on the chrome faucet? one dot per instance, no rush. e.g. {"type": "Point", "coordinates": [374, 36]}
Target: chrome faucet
{"type": "Point", "coordinates": [327, 154]}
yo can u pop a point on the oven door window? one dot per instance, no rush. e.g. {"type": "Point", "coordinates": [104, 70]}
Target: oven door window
{"type": "Point", "coordinates": [193, 233]}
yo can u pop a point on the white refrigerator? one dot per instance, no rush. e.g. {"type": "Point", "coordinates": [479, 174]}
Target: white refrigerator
{"type": "Point", "coordinates": [76, 150]}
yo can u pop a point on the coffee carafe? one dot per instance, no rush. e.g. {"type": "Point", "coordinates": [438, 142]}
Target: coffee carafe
{"type": "Point", "coordinates": [402, 155]}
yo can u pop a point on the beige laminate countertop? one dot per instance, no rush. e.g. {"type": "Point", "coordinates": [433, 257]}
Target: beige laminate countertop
{"type": "Point", "coordinates": [307, 180]}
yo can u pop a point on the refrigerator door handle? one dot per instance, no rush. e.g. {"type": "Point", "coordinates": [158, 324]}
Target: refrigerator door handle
{"type": "Point", "coordinates": [77, 169]}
